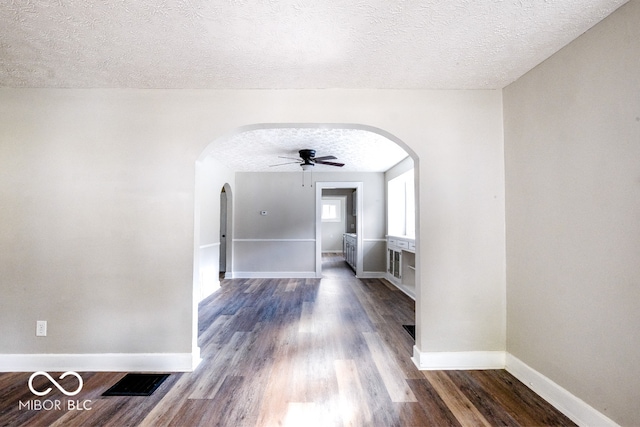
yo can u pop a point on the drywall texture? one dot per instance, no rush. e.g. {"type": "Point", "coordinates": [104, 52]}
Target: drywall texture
{"type": "Point", "coordinates": [572, 144]}
{"type": "Point", "coordinates": [97, 191]}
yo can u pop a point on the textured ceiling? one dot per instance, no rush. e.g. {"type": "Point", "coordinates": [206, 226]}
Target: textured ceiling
{"type": "Point", "coordinates": [274, 44]}
{"type": "Point", "coordinates": [257, 150]}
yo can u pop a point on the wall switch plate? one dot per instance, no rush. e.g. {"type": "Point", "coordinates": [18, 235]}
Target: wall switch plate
{"type": "Point", "coordinates": [41, 328]}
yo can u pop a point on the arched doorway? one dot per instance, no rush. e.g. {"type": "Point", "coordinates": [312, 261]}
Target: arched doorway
{"type": "Point", "coordinates": [213, 168]}
{"type": "Point", "coordinates": [226, 216]}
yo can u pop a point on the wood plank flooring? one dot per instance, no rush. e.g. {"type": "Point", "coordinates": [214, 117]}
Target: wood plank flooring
{"type": "Point", "coordinates": [300, 352]}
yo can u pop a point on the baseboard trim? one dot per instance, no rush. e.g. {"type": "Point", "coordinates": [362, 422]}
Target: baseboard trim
{"type": "Point", "coordinates": [106, 362]}
{"type": "Point", "coordinates": [270, 275]}
{"type": "Point", "coordinates": [570, 405]}
{"type": "Point", "coordinates": [372, 275]}
{"type": "Point", "coordinates": [206, 290]}
{"type": "Point", "coordinates": [291, 275]}
{"type": "Point", "coordinates": [458, 360]}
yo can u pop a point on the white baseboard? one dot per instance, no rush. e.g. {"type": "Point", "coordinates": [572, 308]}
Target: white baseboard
{"type": "Point", "coordinates": [372, 275]}
{"type": "Point", "coordinates": [205, 290]}
{"type": "Point", "coordinates": [109, 362]}
{"type": "Point", "coordinates": [570, 405]}
{"type": "Point", "coordinates": [291, 275]}
{"type": "Point", "coordinates": [459, 360]}
{"type": "Point", "coordinates": [270, 275]}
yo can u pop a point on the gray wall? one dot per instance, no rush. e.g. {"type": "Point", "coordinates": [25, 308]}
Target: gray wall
{"type": "Point", "coordinates": [572, 150]}
{"type": "Point", "coordinates": [284, 239]}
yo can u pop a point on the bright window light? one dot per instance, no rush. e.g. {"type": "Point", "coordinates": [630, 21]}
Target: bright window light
{"type": "Point", "coordinates": [331, 210]}
{"type": "Point", "coordinates": [401, 210]}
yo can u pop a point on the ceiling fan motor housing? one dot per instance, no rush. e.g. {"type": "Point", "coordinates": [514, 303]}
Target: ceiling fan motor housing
{"type": "Point", "coordinates": [309, 158]}
{"type": "Point", "coordinates": [307, 154]}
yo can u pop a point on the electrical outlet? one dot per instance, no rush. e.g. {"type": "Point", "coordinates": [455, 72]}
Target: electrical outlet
{"type": "Point", "coordinates": [41, 328]}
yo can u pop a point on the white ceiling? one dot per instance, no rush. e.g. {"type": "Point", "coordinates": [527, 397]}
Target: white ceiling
{"type": "Point", "coordinates": [275, 44]}
{"type": "Point", "coordinates": [286, 44]}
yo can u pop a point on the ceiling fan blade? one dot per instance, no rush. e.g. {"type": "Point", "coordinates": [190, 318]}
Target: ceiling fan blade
{"type": "Point", "coordinates": [290, 158]}
{"type": "Point", "coordinates": [321, 162]}
{"type": "Point", "coordinates": [325, 158]}
{"type": "Point", "coordinates": [281, 164]}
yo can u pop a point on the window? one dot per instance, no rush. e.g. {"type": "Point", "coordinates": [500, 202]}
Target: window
{"type": "Point", "coordinates": [331, 210]}
{"type": "Point", "coordinates": [401, 209]}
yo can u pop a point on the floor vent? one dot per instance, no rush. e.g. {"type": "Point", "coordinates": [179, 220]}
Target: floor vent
{"type": "Point", "coordinates": [411, 329]}
{"type": "Point", "coordinates": [136, 385]}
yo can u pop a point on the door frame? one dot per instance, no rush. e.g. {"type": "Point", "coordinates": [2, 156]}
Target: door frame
{"type": "Point", "coordinates": [225, 212]}
{"type": "Point", "coordinates": [358, 186]}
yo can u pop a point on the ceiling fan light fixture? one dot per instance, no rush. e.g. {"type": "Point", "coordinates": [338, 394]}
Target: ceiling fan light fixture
{"type": "Point", "coordinates": [308, 159]}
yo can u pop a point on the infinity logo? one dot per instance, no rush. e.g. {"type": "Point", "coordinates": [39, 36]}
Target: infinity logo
{"type": "Point", "coordinates": [47, 391]}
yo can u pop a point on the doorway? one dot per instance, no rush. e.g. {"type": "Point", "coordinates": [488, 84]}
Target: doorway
{"type": "Point", "coordinates": [223, 234]}
{"type": "Point", "coordinates": [341, 189]}
{"type": "Point", "coordinates": [337, 220]}
{"type": "Point", "coordinates": [211, 173]}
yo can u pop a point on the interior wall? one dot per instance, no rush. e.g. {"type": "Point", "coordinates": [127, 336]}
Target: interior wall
{"type": "Point", "coordinates": [572, 144]}
{"type": "Point", "coordinates": [97, 191]}
{"type": "Point", "coordinates": [283, 242]}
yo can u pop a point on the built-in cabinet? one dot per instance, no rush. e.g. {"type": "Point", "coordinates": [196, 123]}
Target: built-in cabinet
{"type": "Point", "coordinates": [401, 264]}
{"type": "Point", "coordinates": [350, 249]}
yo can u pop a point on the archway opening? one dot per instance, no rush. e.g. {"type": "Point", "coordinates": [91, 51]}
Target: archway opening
{"type": "Point", "coordinates": [213, 168]}
{"type": "Point", "coordinates": [226, 217]}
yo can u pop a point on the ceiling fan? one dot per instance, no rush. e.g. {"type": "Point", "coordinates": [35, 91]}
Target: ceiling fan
{"type": "Point", "coordinates": [308, 159]}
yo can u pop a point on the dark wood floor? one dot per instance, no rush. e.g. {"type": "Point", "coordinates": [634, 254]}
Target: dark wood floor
{"type": "Point", "coordinates": [300, 352]}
